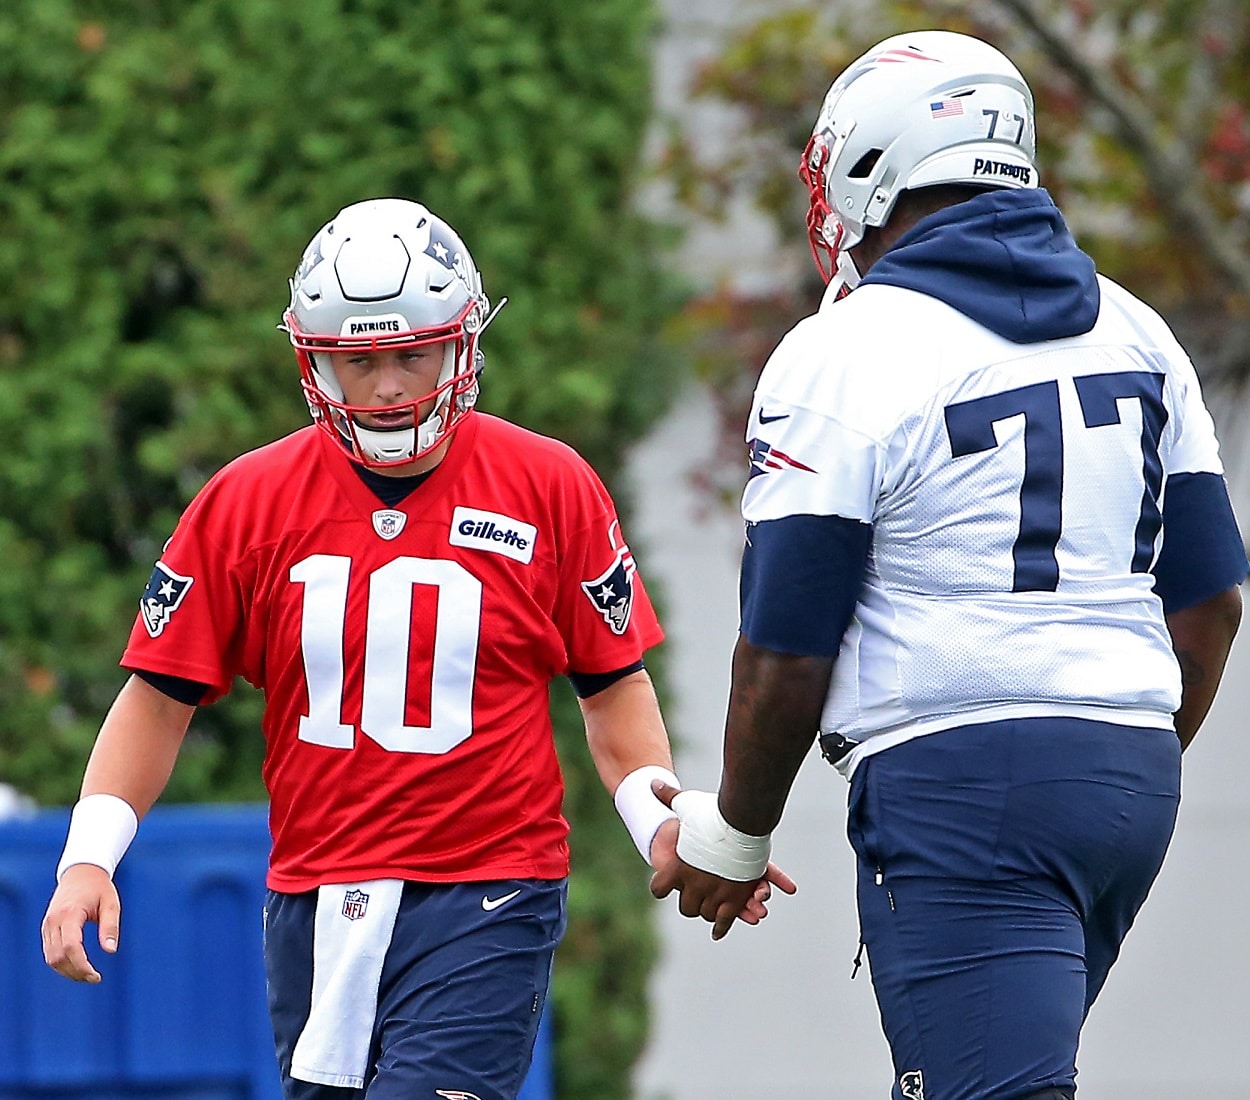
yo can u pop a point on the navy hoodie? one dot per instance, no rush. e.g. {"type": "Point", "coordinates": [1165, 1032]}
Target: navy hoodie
{"type": "Point", "coordinates": [1005, 259]}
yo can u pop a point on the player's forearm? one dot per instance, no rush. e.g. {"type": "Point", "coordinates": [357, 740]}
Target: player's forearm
{"type": "Point", "coordinates": [625, 730]}
{"type": "Point", "coordinates": [1202, 636]}
{"type": "Point", "coordinates": [775, 702]}
{"type": "Point", "coordinates": [137, 746]}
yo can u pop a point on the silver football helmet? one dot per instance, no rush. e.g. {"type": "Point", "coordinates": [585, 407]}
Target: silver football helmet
{"type": "Point", "coordinates": [917, 110]}
{"type": "Point", "coordinates": [386, 273]}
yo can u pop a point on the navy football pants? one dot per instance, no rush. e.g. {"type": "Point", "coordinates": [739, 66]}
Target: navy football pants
{"type": "Point", "coordinates": [999, 868]}
{"type": "Point", "coordinates": [461, 993]}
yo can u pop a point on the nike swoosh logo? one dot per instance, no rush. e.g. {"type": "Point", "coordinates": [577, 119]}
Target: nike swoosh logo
{"type": "Point", "coordinates": [490, 904]}
{"type": "Point", "coordinates": [769, 419]}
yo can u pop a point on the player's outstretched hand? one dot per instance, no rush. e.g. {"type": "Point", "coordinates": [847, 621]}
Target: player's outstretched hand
{"type": "Point", "coordinates": [85, 893]}
{"type": "Point", "coordinates": [702, 894]}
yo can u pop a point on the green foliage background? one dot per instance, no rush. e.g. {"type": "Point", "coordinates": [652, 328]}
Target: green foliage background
{"type": "Point", "coordinates": [162, 165]}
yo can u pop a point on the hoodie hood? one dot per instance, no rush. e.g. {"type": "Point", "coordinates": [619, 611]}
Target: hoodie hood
{"type": "Point", "coordinates": [1005, 259]}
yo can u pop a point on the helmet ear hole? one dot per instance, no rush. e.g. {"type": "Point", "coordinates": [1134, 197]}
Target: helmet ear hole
{"type": "Point", "coordinates": [863, 167]}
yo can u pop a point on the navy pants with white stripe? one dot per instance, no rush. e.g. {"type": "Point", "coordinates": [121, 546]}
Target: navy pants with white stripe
{"type": "Point", "coordinates": [462, 990]}
{"type": "Point", "coordinates": [999, 868]}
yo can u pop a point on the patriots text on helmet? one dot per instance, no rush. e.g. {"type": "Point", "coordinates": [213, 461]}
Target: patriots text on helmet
{"type": "Point", "coordinates": [983, 167]}
{"type": "Point", "coordinates": [358, 327]}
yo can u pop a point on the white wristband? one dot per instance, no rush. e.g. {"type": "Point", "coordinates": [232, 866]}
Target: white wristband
{"type": "Point", "coordinates": [707, 841]}
{"type": "Point", "coordinates": [100, 830]}
{"type": "Point", "coordinates": [641, 811]}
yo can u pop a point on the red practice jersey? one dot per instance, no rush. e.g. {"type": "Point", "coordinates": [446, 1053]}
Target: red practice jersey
{"type": "Point", "coordinates": [405, 653]}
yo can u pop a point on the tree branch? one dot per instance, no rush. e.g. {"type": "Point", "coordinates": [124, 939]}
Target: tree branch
{"type": "Point", "coordinates": [1169, 171]}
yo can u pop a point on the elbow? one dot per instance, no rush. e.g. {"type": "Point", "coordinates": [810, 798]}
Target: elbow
{"type": "Point", "coordinates": [1218, 615]}
{"type": "Point", "coordinates": [1205, 631]}
{"type": "Point", "coordinates": [1225, 612]}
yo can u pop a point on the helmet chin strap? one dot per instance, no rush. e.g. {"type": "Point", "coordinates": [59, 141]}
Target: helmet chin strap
{"type": "Point", "coordinates": [397, 444]}
{"type": "Point", "coordinates": [845, 277]}
{"type": "Point", "coordinates": [492, 315]}
{"type": "Point", "coordinates": [390, 444]}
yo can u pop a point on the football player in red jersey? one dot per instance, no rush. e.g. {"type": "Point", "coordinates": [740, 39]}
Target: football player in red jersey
{"type": "Point", "coordinates": [403, 579]}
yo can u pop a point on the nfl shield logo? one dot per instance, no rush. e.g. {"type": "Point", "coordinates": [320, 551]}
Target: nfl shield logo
{"type": "Point", "coordinates": [355, 902]}
{"type": "Point", "coordinates": [388, 523]}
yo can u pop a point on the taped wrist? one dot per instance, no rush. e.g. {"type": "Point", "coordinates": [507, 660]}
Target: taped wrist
{"type": "Point", "coordinates": [101, 828]}
{"type": "Point", "coordinates": [641, 811]}
{"type": "Point", "coordinates": [707, 841]}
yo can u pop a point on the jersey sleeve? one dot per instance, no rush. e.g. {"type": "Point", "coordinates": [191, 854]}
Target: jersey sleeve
{"type": "Point", "coordinates": [1194, 448]}
{"type": "Point", "coordinates": [805, 460]}
{"type": "Point", "coordinates": [801, 577]}
{"type": "Point", "coordinates": [602, 609]}
{"type": "Point", "coordinates": [1203, 552]}
{"type": "Point", "coordinates": [809, 504]}
{"type": "Point", "coordinates": [191, 612]}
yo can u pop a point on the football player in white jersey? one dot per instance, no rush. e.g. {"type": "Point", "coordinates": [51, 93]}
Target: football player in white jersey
{"type": "Point", "coordinates": [991, 561]}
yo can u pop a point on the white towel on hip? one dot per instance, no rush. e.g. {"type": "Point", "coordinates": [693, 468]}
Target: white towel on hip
{"type": "Point", "coordinates": [352, 931]}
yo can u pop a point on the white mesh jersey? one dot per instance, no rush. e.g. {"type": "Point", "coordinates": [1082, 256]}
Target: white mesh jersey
{"type": "Point", "coordinates": [1014, 493]}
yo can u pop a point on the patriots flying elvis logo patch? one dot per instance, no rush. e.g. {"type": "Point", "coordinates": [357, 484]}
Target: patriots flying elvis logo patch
{"type": "Point", "coordinates": [165, 591]}
{"type": "Point", "coordinates": [612, 592]}
{"type": "Point", "coordinates": [764, 457]}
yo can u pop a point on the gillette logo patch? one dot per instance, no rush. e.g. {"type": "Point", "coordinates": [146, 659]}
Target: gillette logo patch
{"type": "Point", "coordinates": [481, 530]}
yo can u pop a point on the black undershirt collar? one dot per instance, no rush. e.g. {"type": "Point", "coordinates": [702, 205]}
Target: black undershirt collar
{"type": "Point", "coordinates": [389, 490]}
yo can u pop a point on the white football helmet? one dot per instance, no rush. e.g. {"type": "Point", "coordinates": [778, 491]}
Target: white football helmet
{"type": "Point", "coordinates": [386, 273]}
{"type": "Point", "coordinates": [917, 110]}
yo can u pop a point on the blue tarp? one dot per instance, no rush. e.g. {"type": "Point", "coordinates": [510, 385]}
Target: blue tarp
{"type": "Point", "coordinates": [180, 1014]}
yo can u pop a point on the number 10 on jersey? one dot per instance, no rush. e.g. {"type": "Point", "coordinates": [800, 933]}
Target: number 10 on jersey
{"type": "Point", "coordinates": [387, 638]}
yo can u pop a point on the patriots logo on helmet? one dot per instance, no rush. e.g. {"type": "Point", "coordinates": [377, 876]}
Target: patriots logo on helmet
{"type": "Point", "coordinates": [909, 53]}
{"type": "Point", "coordinates": [864, 66]}
{"type": "Point", "coordinates": [612, 592]}
{"type": "Point", "coordinates": [765, 457]}
{"type": "Point", "coordinates": [448, 253]}
{"type": "Point", "coordinates": [164, 592]}
{"type": "Point", "coordinates": [311, 258]}
{"type": "Point", "coordinates": [912, 1085]}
